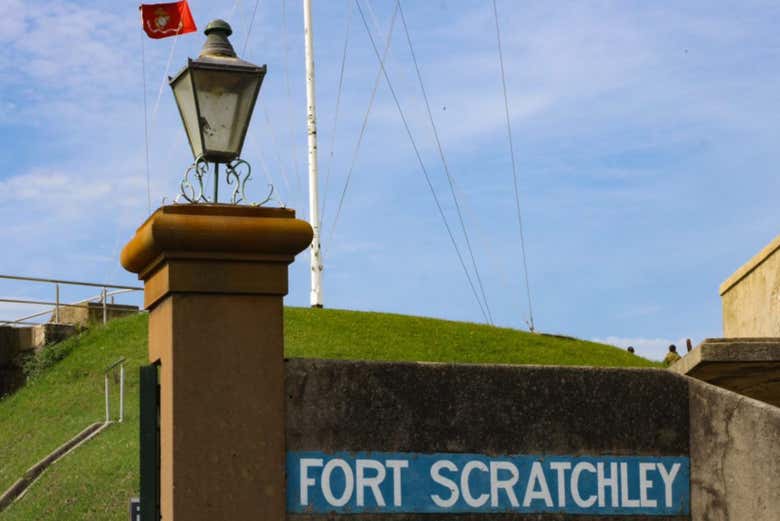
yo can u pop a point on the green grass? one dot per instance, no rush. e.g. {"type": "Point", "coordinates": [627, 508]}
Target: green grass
{"type": "Point", "coordinates": [381, 336]}
{"type": "Point", "coordinates": [60, 402]}
{"type": "Point", "coordinates": [96, 481]}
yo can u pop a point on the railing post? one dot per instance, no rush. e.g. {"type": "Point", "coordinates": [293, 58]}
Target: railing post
{"type": "Point", "coordinates": [105, 309]}
{"type": "Point", "coordinates": [121, 392]}
{"type": "Point", "coordinates": [57, 303]}
{"type": "Point", "coordinates": [108, 411]}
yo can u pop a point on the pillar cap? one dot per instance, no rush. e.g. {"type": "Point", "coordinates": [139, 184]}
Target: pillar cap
{"type": "Point", "coordinates": [215, 230]}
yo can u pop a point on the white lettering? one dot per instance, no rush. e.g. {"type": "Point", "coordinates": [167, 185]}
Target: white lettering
{"type": "Point", "coordinates": [445, 482]}
{"type": "Point", "coordinates": [575, 486]}
{"type": "Point", "coordinates": [537, 476]}
{"type": "Point", "coordinates": [464, 484]}
{"type": "Point", "coordinates": [396, 465]}
{"type": "Point", "coordinates": [506, 485]}
{"type": "Point", "coordinates": [604, 482]}
{"type": "Point", "coordinates": [349, 482]}
{"type": "Point", "coordinates": [625, 500]}
{"type": "Point", "coordinates": [645, 485]}
{"type": "Point", "coordinates": [561, 467]}
{"type": "Point", "coordinates": [668, 478]}
{"type": "Point", "coordinates": [362, 481]}
{"type": "Point", "coordinates": [484, 482]}
{"type": "Point", "coordinates": [306, 481]}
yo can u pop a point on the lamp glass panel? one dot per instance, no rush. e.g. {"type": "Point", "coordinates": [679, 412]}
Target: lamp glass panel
{"type": "Point", "coordinates": [226, 99]}
{"type": "Point", "coordinates": [185, 99]}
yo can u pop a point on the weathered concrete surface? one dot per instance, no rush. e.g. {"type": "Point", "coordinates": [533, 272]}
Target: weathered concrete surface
{"type": "Point", "coordinates": [748, 366]}
{"type": "Point", "coordinates": [735, 456]}
{"type": "Point", "coordinates": [421, 407]}
{"type": "Point", "coordinates": [18, 343]}
{"type": "Point", "coordinates": [92, 313]}
{"type": "Point", "coordinates": [14, 340]}
{"type": "Point", "coordinates": [46, 334]}
{"type": "Point", "coordinates": [733, 441]}
{"type": "Point", "coordinates": [15, 344]}
{"type": "Point", "coordinates": [751, 296]}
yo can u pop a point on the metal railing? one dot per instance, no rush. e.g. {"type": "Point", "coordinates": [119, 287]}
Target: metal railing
{"type": "Point", "coordinates": [102, 298]}
{"type": "Point", "coordinates": [106, 373]}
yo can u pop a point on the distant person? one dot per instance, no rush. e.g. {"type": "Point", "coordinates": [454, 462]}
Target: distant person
{"type": "Point", "coordinates": [688, 344]}
{"type": "Point", "coordinates": [671, 356]}
{"type": "Point", "coordinates": [631, 349]}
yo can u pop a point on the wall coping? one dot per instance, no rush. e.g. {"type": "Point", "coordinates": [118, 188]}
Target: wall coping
{"type": "Point", "coordinates": [745, 270]}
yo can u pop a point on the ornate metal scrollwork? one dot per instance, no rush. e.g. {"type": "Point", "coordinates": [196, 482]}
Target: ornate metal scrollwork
{"type": "Point", "coordinates": [268, 197]}
{"type": "Point", "coordinates": [193, 190]}
{"type": "Point", "coordinates": [237, 173]}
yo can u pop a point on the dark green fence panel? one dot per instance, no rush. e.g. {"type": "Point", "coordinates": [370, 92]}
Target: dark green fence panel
{"type": "Point", "coordinates": [150, 443]}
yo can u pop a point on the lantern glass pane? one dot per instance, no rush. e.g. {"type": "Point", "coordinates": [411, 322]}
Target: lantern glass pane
{"type": "Point", "coordinates": [225, 100]}
{"type": "Point", "coordinates": [185, 99]}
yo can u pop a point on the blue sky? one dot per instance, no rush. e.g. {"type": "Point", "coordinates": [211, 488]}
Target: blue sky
{"type": "Point", "coordinates": [646, 135]}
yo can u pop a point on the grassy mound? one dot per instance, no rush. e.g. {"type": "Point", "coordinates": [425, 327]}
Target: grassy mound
{"type": "Point", "coordinates": [97, 480]}
{"type": "Point", "coordinates": [381, 336]}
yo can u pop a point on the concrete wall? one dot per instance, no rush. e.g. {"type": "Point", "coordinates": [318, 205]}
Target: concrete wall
{"type": "Point", "coordinates": [735, 456]}
{"type": "Point", "coordinates": [14, 340]}
{"type": "Point", "coordinates": [14, 343]}
{"type": "Point", "coordinates": [733, 442]}
{"type": "Point", "coordinates": [426, 408]}
{"type": "Point", "coordinates": [751, 296]}
{"type": "Point", "coordinates": [17, 343]}
{"type": "Point", "coordinates": [46, 334]}
{"type": "Point", "coordinates": [92, 313]}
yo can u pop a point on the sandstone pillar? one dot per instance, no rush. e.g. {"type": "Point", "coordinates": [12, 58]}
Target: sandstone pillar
{"type": "Point", "coordinates": [215, 276]}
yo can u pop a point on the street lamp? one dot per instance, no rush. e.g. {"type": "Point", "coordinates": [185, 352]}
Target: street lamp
{"type": "Point", "coordinates": [216, 95]}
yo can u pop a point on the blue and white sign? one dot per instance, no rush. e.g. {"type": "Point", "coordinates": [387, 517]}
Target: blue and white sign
{"type": "Point", "coordinates": [385, 482]}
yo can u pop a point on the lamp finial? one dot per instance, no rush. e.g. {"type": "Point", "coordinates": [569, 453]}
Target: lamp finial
{"type": "Point", "coordinates": [217, 43]}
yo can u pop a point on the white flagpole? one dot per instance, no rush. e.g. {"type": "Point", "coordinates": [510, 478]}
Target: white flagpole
{"type": "Point", "coordinates": [314, 212]}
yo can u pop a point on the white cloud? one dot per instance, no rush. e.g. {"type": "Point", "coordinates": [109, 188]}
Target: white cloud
{"type": "Point", "coordinates": [12, 23]}
{"type": "Point", "coordinates": [71, 45]}
{"type": "Point", "coordinates": [47, 212]}
{"type": "Point", "coordinates": [46, 187]}
{"type": "Point", "coordinates": [66, 64]}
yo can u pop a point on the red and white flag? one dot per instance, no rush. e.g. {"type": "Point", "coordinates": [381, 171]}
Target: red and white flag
{"type": "Point", "coordinates": [163, 20]}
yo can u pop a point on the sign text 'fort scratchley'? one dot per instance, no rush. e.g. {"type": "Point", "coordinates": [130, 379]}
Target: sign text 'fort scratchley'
{"type": "Point", "coordinates": [388, 482]}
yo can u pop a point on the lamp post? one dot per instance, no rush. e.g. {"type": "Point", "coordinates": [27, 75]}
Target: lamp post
{"type": "Point", "coordinates": [216, 95]}
{"type": "Point", "coordinates": [213, 398]}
